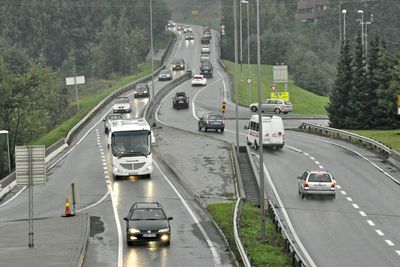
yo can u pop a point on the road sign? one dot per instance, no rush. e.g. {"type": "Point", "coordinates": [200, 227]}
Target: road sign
{"type": "Point", "coordinates": [280, 96]}
{"type": "Point", "coordinates": [75, 80]}
{"type": "Point", "coordinates": [248, 80]}
{"type": "Point", "coordinates": [273, 87]}
{"type": "Point", "coordinates": [223, 107]}
{"type": "Point", "coordinates": [280, 74]}
{"type": "Point", "coordinates": [30, 163]}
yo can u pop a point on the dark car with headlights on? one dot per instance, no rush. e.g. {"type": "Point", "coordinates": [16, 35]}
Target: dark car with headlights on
{"type": "Point", "coordinates": [205, 40]}
{"type": "Point", "coordinates": [165, 75]}
{"type": "Point", "coordinates": [180, 100]}
{"type": "Point", "coordinates": [189, 36]}
{"type": "Point", "coordinates": [146, 221]}
{"type": "Point", "coordinates": [142, 90]}
{"type": "Point", "coordinates": [178, 64]}
{"type": "Point", "coordinates": [212, 121]}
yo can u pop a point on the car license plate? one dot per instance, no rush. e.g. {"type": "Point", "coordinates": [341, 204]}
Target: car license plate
{"type": "Point", "coordinates": [149, 235]}
{"type": "Point", "coordinates": [181, 101]}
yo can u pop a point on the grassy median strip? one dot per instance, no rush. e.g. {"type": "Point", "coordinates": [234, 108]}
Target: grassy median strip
{"type": "Point", "coordinates": [261, 254]}
{"type": "Point", "coordinates": [390, 138]}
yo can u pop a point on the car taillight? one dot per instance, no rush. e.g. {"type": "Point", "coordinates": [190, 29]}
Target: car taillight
{"type": "Point", "coordinates": [333, 185]}
{"type": "Point", "coordinates": [279, 133]}
{"type": "Point", "coordinates": [305, 184]}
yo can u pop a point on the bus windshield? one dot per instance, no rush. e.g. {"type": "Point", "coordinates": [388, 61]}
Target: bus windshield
{"type": "Point", "coordinates": [131, 143]}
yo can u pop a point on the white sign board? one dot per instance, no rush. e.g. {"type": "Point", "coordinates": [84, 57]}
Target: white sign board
{"type": "Point", "coordinates": [280, 74]}
{"type": "Point", "coordinates": [30, 162]}
{"type": "Point", "coordinates": [75, 80]}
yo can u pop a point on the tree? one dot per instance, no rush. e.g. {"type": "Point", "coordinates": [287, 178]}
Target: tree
{"type": "Point", "coordinates": [338, 107]}
{"type": "Point", "coordinates": [359, 108]}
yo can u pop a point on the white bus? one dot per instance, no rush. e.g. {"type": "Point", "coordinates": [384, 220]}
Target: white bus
{"type": "Point", "coordinates": [130, 144]}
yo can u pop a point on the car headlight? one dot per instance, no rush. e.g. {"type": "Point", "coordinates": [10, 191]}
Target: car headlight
{"type": "Point", "coordinates": [133, 231]}
{"type": "Point", "coordinates": [182, 66]}
{"type": "Point", "coordinates": [145, 92]}
{"type": "Point", "coordinates": [165, 230]}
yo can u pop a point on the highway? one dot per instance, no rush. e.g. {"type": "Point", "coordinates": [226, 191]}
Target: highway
{"type": "Point", "coordinates": [358, 228]}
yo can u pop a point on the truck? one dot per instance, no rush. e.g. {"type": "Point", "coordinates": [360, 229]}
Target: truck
{"type": "Point", "coordinates": [130, 142]}
{"type": "Point", "coordinates": [272, 130]}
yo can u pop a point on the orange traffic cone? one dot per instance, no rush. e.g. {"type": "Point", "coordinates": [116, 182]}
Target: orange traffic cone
{"type": "Point", "coordinates": [67, 209]}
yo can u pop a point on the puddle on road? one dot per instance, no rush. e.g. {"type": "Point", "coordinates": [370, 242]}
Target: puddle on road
{"type": "Point", "coordinates": [96, 225]}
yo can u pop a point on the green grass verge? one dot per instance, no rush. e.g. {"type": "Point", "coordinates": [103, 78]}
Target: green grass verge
{"type": "Point", "coordinates": [87, 103]}
{"type": "Point", "coordinates": [304, 102]}
{"type": "Point", "coordinates": [388, 137]}
{"type": "Point", "coordinates": [261, 254]}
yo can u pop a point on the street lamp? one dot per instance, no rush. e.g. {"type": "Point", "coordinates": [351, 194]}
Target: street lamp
{"type": "Point", "coordinates": [8, 149]}
{"type": "Point", "coordinates": [236, 83]}
{"type": "Point", "coordinates": [241, 41]}
{"type": "Point", "coordinates": [261, 163]}
{"type": "Point", "coordinates": [248, 46]}
{"type": "Point", "coordinates": [366, 33]}
{"type": "Point", "coordinates": [152, 51]}
{"type": "Point", "coordinates": [362, 26]}
{"type": "Point", "coordinates": [344, 11]}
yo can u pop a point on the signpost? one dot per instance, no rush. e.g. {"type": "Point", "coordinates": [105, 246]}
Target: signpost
{"type": "Point", "coordinates": [280, 75]}
{"type": "Point", "coordinates": [30, 169]}
{"type": "Point", "coordinates": [75, 81]}
{"type": "Point", "coordinates": [398, 105]}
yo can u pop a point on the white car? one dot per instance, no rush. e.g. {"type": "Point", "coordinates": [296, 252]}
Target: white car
{"type": "Point", "coordinates": [199, 80]}
{"type": "Point", "coordinates": [122, 104]}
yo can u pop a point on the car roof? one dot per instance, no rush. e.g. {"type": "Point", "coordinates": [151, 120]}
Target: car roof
{"type": "Point", "coordinates": [146, 205]}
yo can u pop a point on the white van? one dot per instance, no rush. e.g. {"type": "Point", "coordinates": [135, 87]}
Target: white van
{"type": "Point", "coordinates": [273, 131]}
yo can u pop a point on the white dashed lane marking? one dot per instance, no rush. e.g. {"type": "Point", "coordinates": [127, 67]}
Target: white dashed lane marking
{"type": "Point", "coordinates": [343, 193]}
{"type": "Point", "coordinates": [363, 214]}
{"type": "Point", "coordinates": [355, 206]}
{"type": "Point", "coordinates": [370, 222]}
{"type": "Point", "coordinates": [349, 199]}
{"type": "Point", "coordinates": [379, 232]}
{"type": "Point", "coordinates": [398, 252]}
{"type": "Point", "coordinates": [390, 243]}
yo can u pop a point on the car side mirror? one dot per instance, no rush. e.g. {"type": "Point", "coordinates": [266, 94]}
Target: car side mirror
{"type": "Point", "coordinates": [126, 219]}
{"type": "Point", "coordinates": [170, 218]}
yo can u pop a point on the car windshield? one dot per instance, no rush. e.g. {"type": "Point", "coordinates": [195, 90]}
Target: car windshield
{"type": "Point", "coordinates": [148, 214]}
{"type": "Point", "coordinates": [288, 103]}
{"type": "Point", "coordinates": [141, 87]}
{"type": "Point", "coordinates": [319, 177]}
{"type": "Point", "coordinates": [164, 72]}
{"type": "Point", "coordinates": [198, 77]}
{"type": "Point", "coordinates": [214, 117]}
{"type": "Point", "coordinates": [177, 62]}
{"type": "Point", "coordinates": [114, 117]}
{"type": "Point", "coordinates": [122, 100]}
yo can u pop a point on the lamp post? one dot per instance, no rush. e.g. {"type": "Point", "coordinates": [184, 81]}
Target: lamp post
{"type": "Point", "coordinates": [344, 11]}
{"type": "Point", "coordinates": [241, 41]}
{"type": "Point", "coordinates": [261, 164]}
{"type": "Point", "coordinates": [152, 51]}
{"type": "Point", "coordinates": [8, 149]}
{"type": "Point", "coordinates": [362, 26]}
{"type": "Point", "coordinates": [366, 33]}
{"type": "Point", "coordinates": [248, 46]}
{"type": "Point", "coordinates": [236, 83]}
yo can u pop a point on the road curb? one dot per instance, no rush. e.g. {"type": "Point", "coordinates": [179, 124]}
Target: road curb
{"type": "Point", "coordinates": [85, 243]}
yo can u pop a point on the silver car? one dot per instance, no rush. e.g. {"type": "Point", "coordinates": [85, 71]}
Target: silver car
{"type": "Point", "coordinates": [122, 104]}
{"type": "Point", "coordinates": [271, 105]}
{"type": "Point", "coordinates": [316, 183]}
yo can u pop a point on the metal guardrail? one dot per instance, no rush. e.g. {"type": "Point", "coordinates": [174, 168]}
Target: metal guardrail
{"type": "Point", "coordinates": [6, 182]}
{"type": "Point", "coordinates": [374, 145]}
{"type": "Point", "coordinates": [236, 233]}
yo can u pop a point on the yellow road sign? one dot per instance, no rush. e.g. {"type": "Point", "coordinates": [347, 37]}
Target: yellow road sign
{"type": "Point", "coordinates": [280, 96]}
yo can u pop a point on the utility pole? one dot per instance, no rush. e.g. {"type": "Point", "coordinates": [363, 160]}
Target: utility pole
{"type": "Point", "coordinates": [236, 83]}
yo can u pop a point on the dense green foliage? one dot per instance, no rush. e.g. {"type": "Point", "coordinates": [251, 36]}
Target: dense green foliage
{"type": "Point", "coordinates": [44, 41]}
{"type": "Point", "coordinates": [365, 91]}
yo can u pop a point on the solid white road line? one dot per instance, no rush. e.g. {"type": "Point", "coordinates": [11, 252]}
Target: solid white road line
{"type": "Point", "coordinates": [216, 258]}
